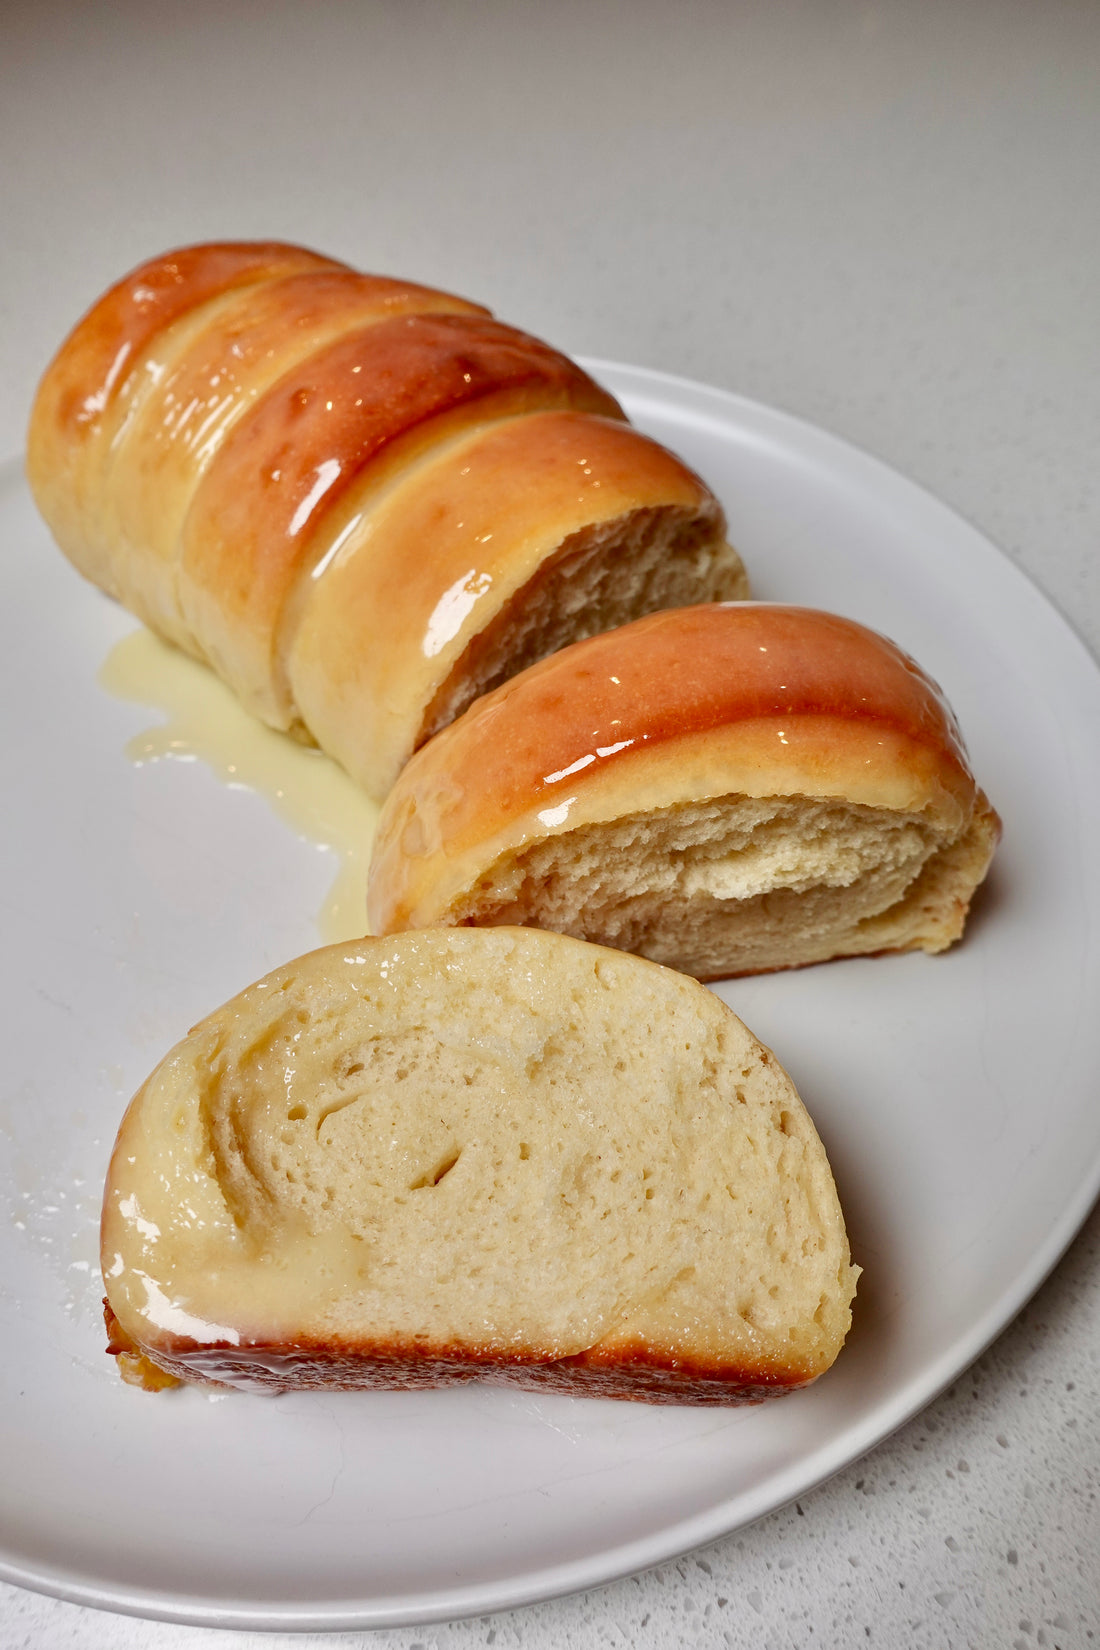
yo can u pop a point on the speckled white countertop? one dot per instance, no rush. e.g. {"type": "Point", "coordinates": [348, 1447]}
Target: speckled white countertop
{"type": "Point", "coordinates": [882, 217]}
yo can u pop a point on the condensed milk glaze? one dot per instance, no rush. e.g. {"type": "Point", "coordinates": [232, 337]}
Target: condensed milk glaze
{"type": "Point", "coordinates": [207, 723]}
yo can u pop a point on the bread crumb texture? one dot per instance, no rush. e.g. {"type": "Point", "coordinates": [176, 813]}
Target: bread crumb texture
{"type": "Point", "coordinates": [466, 1152]}
{"type": "Point", "coordinates": [742, 884]}
{"type": "Point", "coordinates": [600, 577]}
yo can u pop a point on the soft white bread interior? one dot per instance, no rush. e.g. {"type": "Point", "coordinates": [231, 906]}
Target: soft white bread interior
{"type": "Point", "coordinates": [465, 1154]}
{"type": "Point", "coordinates": [726, 790]}
{"type": "Point", "coordinates": [362, 501]}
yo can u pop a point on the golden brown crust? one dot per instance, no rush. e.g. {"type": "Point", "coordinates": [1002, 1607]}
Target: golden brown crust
{"type": "Point", "coordinates": [756, 698]}
{"type": "Point", "coordinates": [369, 400]}
{"type": "Point", "coordinates": [635, 1372]}
{"type": "Point", "coordinates": [111, 361]}
{"type": "Point", "coordinates": [269, 334]}
{"type": "Point", "coordinates": [242, 348]}
{"type": "Point", "coordinates": [462, 537]}
{"type": "Point", "coordinates": [91, 365]}
{"type": "Point", "coordinates": [315, 432]}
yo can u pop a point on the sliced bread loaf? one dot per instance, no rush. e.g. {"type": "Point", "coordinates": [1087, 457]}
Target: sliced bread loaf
{"type": "Point", "coordinates": [363, 502]}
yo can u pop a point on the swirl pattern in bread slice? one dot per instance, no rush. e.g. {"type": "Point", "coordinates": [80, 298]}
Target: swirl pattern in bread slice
{"type": "Point", "coordinates": [468, 1154]}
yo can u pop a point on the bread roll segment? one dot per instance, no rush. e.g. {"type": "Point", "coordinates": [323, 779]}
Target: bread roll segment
{"type": "Point", "coordinates": [230, 425]}
{"type": "Point", "coordinates": [726, 789]}
{"type": "Point", "coordinates": [236, 349]}
{"type": "Point", "coordinates": [455, 1155]}
{"type": "Point", "coordinates": [540, 530]}
{"type": "Point", "coordinates": [353, 416]}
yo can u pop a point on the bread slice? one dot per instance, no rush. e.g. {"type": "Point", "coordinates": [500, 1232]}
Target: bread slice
{"type": "Point", "coordinates": [529, 534]}
{"type": "Point", "coordinates": [466, 1154]}
{"type": "Point", "coordinates": [725, 789]}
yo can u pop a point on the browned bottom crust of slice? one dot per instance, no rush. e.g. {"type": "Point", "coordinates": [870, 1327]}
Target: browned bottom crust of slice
{"type": "Point", "coordinates": [638, 1373]}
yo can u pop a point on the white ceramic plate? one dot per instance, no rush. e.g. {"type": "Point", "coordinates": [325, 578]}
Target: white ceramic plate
{"type": "Point", "coordinates": [956, 1096]}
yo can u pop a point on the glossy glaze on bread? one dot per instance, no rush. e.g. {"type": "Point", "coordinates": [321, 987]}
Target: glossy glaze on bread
{"type": "Point", "coordinates": [497, 1155]}
{"type": "Point", "coordinates": [709, 708]}
{"type": "Point", "coordinates": [514, 515]}
{"type": "Point", "coordinates": [220, 437]}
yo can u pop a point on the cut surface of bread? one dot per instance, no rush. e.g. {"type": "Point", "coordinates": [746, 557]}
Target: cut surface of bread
{"type": "Point", "coordinates": [726, 790]}
{"type": "Point", "coordinates": [465, 1154]}
{"type": "Point", "coordinates": [352, 496]}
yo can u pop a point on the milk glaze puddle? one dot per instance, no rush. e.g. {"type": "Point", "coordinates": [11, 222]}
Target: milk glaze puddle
{"type": "Point", "coordinates": [206, 723]}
